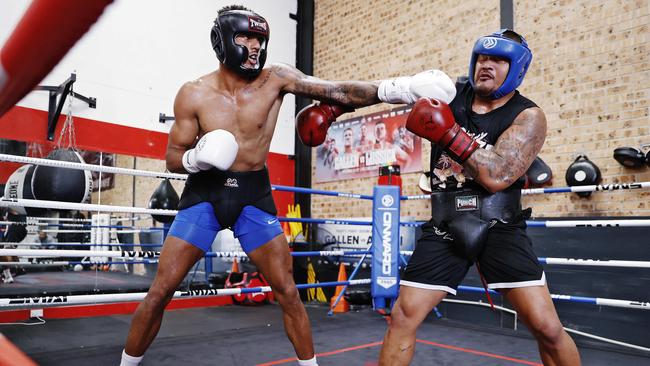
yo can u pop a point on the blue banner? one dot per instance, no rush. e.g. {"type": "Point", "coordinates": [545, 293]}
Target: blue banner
{"type": "Point", "coordinates": [385, 245]}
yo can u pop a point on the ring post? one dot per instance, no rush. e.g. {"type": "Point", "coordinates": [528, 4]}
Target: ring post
{"type": "Point", "coordinates": [385, 246]}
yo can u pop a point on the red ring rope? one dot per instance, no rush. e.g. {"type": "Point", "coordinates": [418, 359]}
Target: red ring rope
{"type": "Point", "coordinates": [40, 40]}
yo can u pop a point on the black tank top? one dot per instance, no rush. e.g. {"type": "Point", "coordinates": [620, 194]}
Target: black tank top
{"type": "Point", "coordinates": [485, 128]}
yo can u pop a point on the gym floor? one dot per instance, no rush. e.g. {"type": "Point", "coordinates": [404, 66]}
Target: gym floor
{"type": "Point", "coordinates": [238, 335]}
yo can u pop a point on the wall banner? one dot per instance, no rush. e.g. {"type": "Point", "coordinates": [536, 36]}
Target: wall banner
{"type": "Point", "coordinates": [357, 147]}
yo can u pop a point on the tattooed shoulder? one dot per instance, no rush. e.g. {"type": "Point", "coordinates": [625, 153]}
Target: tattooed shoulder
{"type": "Point", "coordinates": [285, 71]}
{"type": "Point", "coordinates": [531, 118]}
{"type": "Point", "coordinates": [266, 78]}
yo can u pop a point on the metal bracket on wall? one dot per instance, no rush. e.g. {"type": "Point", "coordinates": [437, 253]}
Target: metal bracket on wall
{"type": "Point", "coordinates": [162, 118]}
{"type": "Point", "coordinates": [56, 103]}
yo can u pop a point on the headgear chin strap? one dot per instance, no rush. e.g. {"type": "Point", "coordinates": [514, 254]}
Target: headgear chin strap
{"type": "Point", "coordinates": [519, 56]}
{"type": "Point", "coordinates": [226, 27]}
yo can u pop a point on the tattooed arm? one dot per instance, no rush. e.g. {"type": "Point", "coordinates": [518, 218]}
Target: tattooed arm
{"type": "Point", "coordinates": [350, 93]}
{"type": "Point", "coordinates": [513, 152]}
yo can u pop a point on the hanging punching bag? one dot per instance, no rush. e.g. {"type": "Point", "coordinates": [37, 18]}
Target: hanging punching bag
{"type": "Point", "coordinates": [164, 198]}
{"type": "Point", "coordinates": [19, 186]}
{"type": "Point", "coordinates": [62, 184]}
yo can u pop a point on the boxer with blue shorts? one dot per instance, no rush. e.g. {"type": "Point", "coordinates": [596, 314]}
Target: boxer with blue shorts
{"type": "Point", "coordinates": [224, 122]}
{"type": "Point", "coordinates": [214, 200]}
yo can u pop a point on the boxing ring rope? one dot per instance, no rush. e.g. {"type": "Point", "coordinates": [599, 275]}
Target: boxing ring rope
{"type": "Point", "coordinates": [28, 56]}
{"type": "Point", "coordinates": [21, 202]}
{"type": "Point", "coordinates": [65, 219]}
{"type": "Point", "coordinates": [589, 223]}
{"type": "Point", "coordinates": [48, 301]}
{"type": "Point", "coordinates": [580, 262]}
{"type": "Point", "coordinates": [90, 167]}
{"type": "Point", "coordinates": [321, 253]}
{"type": "Point", "coordinates": [176, 176]}
{"type": "Point", "coordinates": [574, 189]}
{"type": "Point", "coordinates": [600, 301]}
{"type": "Point", "coordinates": [71, 263]}
{"type": "Point", "coordinates": [569, 223]}
{"type": "Point", "coordinates": [80, 244]}
{"type": "Point", "coordinates": [152, 254]}
{"type": "Point", "coordinates": [146, 173]}
{"type": "Point", "coordinates": [514, 313]}
{"type": "Point", "coordinates": [35, 219]}
{"type": "Point", "coordinates": [80, 225]}
{"type": "Point", "coordinates": [78, 253]}
{"type": "Point", "coordinates": [320, 192]}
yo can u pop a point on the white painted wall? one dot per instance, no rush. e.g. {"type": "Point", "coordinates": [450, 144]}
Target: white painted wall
{"type": "Point", "coordinates": [134, 59]}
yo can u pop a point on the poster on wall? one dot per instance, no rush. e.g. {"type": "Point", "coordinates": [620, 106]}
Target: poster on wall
{"type": "Point", "coordinates": [108, 179]}
{"type": "Point", "coordinates": [357, 147]}
{"type": "Point", "coordinates": [358, 237]}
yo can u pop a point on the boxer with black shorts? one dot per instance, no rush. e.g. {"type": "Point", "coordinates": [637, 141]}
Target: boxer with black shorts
{"type": "Point", "coordinates": [221, 137]}
{"type": "Point", "coordinates": [483, 143]}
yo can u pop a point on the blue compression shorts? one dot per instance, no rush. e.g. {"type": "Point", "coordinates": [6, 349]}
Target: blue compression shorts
{"type": "Point", "coordinates": [198, 226]}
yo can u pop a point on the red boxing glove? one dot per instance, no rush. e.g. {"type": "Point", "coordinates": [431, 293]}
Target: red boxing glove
{"type": "Point", "coordinates": [433, 120]}
{"type": "Point", "coordinates": [313, 121]}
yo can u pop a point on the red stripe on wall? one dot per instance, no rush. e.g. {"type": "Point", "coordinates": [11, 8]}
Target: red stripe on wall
{"type": "Point", "coordinates": [30, 125]}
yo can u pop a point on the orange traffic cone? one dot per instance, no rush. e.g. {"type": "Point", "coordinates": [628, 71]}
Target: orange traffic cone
{"type": "Point", "coordinates": [343, 306]}
{"type": "Point", "coordinates": [235, 266]}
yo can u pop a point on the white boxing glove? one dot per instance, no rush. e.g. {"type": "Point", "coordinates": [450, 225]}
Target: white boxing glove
{"type": "Point", "coordinates": [408, 89]}
{"type": "Point", "coordinates": [216, 148]}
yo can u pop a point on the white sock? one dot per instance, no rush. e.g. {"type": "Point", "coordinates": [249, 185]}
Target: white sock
{"type": "Point", "coordinates": [130, 360]}
{"type": "Point", "coordinates": [309, 362]}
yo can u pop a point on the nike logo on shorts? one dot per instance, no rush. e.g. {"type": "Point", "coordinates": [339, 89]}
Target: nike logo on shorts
{"type": "Point", "coordinates": [271, 222]}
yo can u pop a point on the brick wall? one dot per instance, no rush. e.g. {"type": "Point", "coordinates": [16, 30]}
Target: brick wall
{"type": "Point", "coordinates": [590, 75]}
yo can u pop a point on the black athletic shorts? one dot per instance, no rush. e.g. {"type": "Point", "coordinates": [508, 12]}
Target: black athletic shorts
{"type": "Point", "coordinates": [507, 261]}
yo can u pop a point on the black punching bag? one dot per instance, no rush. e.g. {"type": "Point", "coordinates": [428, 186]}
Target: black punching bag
{"type": "Point", "coordinates": [62, 184]}
{"type": "Point", "coordinates": [164, 198]}
{"type": "Point", "coordinates": [19, 185]}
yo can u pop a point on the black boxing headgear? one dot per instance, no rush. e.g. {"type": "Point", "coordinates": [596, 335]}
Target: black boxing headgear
{"type": "Point", "coordinates": [226, 27]}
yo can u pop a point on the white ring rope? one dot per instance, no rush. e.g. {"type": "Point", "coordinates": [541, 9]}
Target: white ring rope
{"type": "Point", "coordinates": [35, 219]}
{"type": "Point", "coordinates": [596, 262]}
{"type": "Point", "coordinates": [37, 244]}
{"type": "Point", "coordinates": [176, 176]}
{"type": "Point", "coordinates": [607, 340]}
{"type": "Point", "coordinates": [112, 231]}
{"type": "Point", "coordinates": [590, 188]}
{"type": "Point", "coordinates": [591, 223]}
{"type": "Point", "coordinates": [572, 189]}
{"type": "Point", "coordinates": [580, 262]}
{"type": "Point", "coordinates": [47, 301]}
{"type": "Point", "coordinates": [90, 167]}
{"type": "Point", "coordinates": [514, 313]}
{"type": "Point", "coordinates": [49, 253]}
{"type": "Point", "coordinates": [21, 202]}
{"type": "Point", "coordinates": [240, 254]}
